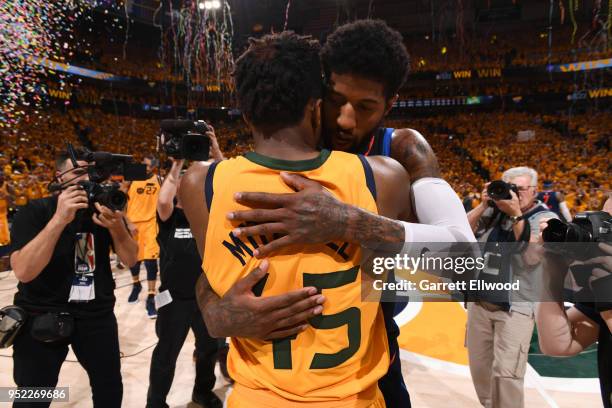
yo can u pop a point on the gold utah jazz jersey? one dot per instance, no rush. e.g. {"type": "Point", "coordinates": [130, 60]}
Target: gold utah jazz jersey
{"type": "Point", "coordinates": [142, 203]}
{"type": "Point", "coordinates": [344, 351]}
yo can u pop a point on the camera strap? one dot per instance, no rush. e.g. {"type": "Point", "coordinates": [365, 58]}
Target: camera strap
{"type": "Point", "coordinates": [82, 289]}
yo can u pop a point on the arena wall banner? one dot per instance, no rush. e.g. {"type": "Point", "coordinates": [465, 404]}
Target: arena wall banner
{"type": "Point", "coordinates": [600, 93]}
{"type": "Point", "coordinates": [489, 73]}
{"type": "Point", "coordinates": [581, 66]}
{"type": "Point", "coordinates": [60, 94]}
{"type": "Point", "coordinates": [471, 73]}
{"type": "Point", "coordinates": [452, 101]}
{"type": "Point", "coordinates": [597, 93]}
{"type": "Point", "coordinates": [72, 69]}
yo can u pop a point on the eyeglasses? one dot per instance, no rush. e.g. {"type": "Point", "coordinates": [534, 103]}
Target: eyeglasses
{"type": "Point", "coordinates": [78, 172]}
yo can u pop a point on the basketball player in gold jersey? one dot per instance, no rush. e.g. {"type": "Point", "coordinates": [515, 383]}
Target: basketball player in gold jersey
{"type": "Point", "coordinates": [4, 206]}
{"type": "Point", "coordinates": [5, 237]}
{"type": "Point", "coordinates": [338, 357]}
{"type": "Point", "coordinates": [141, 210]}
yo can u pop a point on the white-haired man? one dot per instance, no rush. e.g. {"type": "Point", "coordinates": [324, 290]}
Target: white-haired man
{"type": "Point", "coordinates": [500, 325]}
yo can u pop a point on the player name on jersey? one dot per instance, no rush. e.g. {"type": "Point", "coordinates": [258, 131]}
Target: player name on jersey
{"type": "Point", "coordinates": [239, 248]}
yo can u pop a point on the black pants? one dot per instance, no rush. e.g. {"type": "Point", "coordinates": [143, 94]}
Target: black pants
{"type": "Point", "coordinates": [150, 266]}
{"type": "Point", "coordinates": [95, 343]}
{"type": "Point", "coordinates": [392, 384]}
{"type": "Point", "coordinates": [172, 325]}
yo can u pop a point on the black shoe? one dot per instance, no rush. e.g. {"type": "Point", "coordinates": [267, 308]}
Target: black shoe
{"type": "Point", "coordinates": [134, 293]}
{"type": "Point", "coordinates": [150, 306]}
{"type": "Point", "coordinates": [207, 400]}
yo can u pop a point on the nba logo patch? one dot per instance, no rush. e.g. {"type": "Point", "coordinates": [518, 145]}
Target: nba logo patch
{"type": "Point", "coordinates": [84, 253]}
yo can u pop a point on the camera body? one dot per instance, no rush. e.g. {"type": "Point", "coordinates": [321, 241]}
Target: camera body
{"type": "Point", "coordinates": [589, 227]}
{"type": "Point", "coordinates": [185, 139]}
{"type": "Point", "coordinates": [107, 194]}
{"type": "Point", "coordinates": [500, 190]}
{"type": "Point", "coordinates": [586, 227]}
{"type": "Point", "coordinates": [107, 164]}
{"type": "Point", "coordinates": [104, 166]}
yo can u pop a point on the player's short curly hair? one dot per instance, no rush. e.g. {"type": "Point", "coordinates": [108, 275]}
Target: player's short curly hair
{"type": "Point", "coordinates": [276, 77]}
{"type": "Point", "coordinates": [370, 49]}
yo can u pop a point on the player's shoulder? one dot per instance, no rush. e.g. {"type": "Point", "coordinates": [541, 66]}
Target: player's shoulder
{"type": "Point", "coordinates": [407, 133]}
{"type": "Point", "coordinates": [345, 162]}
{"type": "Point", "coordinates": [385, 164]}
{"type": "Point", "coordinates": [413, 151]}
{"type": "Point", "coordinates": [388, 170]}
{"type": "Point", "coordinates": [407, 137]}
{"type": "Point", "coordinates": [392, 186]}
{"type": "Point", "coordinates": [196, 173]}
{"type": "Point", "coordinates": [342, 155]}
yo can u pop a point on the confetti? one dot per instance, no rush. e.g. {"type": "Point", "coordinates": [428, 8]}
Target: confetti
{"type": "Point", "coordinates": [28, 29]}
{"type": "Point", "coordinates": [200, 43]}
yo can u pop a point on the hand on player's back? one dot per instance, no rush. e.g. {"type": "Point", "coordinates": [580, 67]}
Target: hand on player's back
{"type": "Point", "coordinates": [310, 215]}
{"type": "Point", "coordinates": [241, 313]}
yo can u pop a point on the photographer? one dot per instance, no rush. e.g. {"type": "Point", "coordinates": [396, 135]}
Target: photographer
{"type": "Point", "coordinates": [60, 255]}
{"type": "Point", "coordinates": [177, 307]}
{"type": "Point", "coordinates": [499, 331]}
{"type": "Point", "coordinates": [569, 332]}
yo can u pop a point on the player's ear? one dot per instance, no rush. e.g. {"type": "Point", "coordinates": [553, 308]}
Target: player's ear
{"type": "Point", "coordinates": [389, 104]}
{"type": "Point", "coordinates": [315, 117]}
{"type": "Point", "coordinates": [316, 113]}
{"type": "Point", "coordinates": [247, 122]}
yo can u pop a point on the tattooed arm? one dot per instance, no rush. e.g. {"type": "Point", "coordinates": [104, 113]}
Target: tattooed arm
{"type": "Point", "coordinates": [312, 215]}
{"type": "Point", "coordinates": [239, 313]}
{"type": "Point", "coordinates": [411, 149]}
{"type": "Point", "coordinates": [367, 227]}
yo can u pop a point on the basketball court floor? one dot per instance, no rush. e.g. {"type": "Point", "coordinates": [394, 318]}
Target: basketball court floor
{"type": "Point", "coordinates": [434, 361]}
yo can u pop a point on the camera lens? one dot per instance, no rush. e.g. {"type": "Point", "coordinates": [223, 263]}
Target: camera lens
{"type": "Point", "coordinates": [559, 231]}
{"type": "Point", "coordinates": [556, 231]}
{"type": "Point", "coordinates": [499, 190]}
{"type": "Point", "coordinates": [112, 198]}
{"type": "Point", "coordinates": [118, 200]}
{"type": "Point", "coordinates": [577, 234]}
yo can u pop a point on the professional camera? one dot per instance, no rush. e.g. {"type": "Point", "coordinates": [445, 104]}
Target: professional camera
{"type": "Point", "coordinates": [108, 195]}
{"type": "Point", "coordinates": [107, 164]}
{"type": "Point", "coordinates": [104, 166]}
{"type": "Point", "coordinates": [586, 227]}
{"type": "Point", "coordinates": [185, 139]}
{"type": "Point", "coordinates": [579, 239]}
{"type": "Point", "coordinates": [500, 190]}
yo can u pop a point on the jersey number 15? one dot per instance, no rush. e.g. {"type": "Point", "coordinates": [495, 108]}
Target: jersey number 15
{"type": "Point", "coordinates": [350, 317]}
